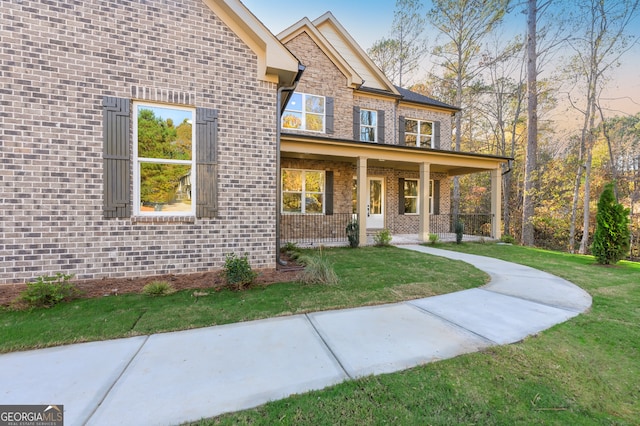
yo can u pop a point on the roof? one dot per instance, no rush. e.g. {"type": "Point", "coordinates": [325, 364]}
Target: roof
{"type": "Point", "coordinates": [417, 98]}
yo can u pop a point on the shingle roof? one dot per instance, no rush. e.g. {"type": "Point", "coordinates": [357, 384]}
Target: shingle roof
{"type": "Point", "coordinates": [409, 96]}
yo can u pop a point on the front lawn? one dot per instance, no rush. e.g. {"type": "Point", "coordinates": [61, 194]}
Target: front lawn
{"type": "Point", "coordinates": [368, 275]}
{"type": "Point", "coordinates": [583, 372]}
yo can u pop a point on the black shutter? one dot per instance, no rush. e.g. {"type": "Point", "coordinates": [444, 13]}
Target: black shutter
{"type": "Point", "coordinates": [401, 196]}
{"type": "Point", "coordinates": [329, 115]}
{"type": "Point", "coordinates": [116, 113]}
{"type": "Point", "coordinates": [380, 126]}
{"type": "Point", "coordinates": [401, 126]}
{"type": "Point", "coordinates": [356, 123]}
{"type": "Point", "coordinates": [436, 197]}
{"type": "Point", "coordinates": [206, 162]}
{"type": "Point", "coordinates": [328, 192]}
{"type": "Point", "coordinates": [436, 135]}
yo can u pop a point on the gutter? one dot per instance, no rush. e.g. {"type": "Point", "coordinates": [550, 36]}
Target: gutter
{"type": "Point", "coordinates": [279, 111]}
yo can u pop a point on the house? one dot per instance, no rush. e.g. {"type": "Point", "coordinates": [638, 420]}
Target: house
{"type": "Point", "coordinates": [143, 138]}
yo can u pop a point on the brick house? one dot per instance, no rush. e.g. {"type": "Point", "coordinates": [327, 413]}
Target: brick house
{"type": "Point", "coordinates": [143, 138]}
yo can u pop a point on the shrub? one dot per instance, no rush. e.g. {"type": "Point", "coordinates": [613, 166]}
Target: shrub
{"type": "Point", "coordinates": [318, 270]}
{"type": "Point", "coordinates": [289, 247]}
{"type": "Point", "coordinates": [459, 230]}
{"type": "Point", "coordinates": [158, 288]}
{"type": "Point", "coordinates": [612, 237]}
{"type": "Point", "coordinates": [47, 291]}
{"type": "Point", "coordinates": [508, 239]}
{"type": "Point", "coordinates": [238, 272]}
{"type": "Point", "coordinates": [353, 233]}
{"type": "Point", "coordinates": [433, 238]}
{"type": "Point", "coordinates": [382, 238]}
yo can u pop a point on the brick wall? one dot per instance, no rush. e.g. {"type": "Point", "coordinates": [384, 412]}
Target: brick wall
{"type": "Point", "coordinates": [59, 58]}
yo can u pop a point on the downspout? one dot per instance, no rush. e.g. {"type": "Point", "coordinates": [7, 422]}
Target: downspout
{"type": "Point", "coordinates": [279, 110]}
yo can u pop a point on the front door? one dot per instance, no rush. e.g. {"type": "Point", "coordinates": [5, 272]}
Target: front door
{"type": "Point", "coordinates": [375, 208]}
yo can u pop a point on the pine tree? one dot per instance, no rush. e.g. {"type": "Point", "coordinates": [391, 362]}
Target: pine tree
{"type": "Point", "coordinates": [611, 239]}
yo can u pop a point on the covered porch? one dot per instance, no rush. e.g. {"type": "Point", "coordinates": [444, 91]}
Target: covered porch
{"type": "Point", "coordinates": [403, 189]}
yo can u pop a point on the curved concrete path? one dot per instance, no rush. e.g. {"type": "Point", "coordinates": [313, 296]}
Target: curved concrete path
{"type": "Point", "coordinates": [175, 377]}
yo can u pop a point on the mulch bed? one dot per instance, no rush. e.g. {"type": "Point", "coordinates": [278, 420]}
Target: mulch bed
{"type": "Point", "coordinates": [113, 286]}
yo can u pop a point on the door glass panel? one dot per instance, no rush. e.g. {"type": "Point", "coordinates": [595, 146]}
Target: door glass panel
{"type": "Point", "coordinates": [375, 197]}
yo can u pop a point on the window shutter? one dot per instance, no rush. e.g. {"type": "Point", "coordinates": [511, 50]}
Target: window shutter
{"type": "Point", "coordinates": [328, 192]}
{"type": "Point", "coordinates": [436, 197]}
{"type": "Point", "coordinates": [380, 126]}
{"type": "Point", "coordinates": [401, 196]}
{"type": "Point", "coordinates": [116, 114]}
{"type": "Point", "coordinates": [328, 115]}
{"type": "Point", "coordinates": [356, 123]}
{"type": "Point", "coordinates": [401, 126]}
{"type": "Point", "coordinates": [206, 162]}
{"type": "Point", "coordinates": [436, 135]}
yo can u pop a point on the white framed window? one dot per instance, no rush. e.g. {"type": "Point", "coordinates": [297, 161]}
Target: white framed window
{"type": "Point", "coordinates": [164, 159]}
{"type": "Point", "coordinates": [418, 133]}
{"type": "Point", "coordinates": [305, 112]}
{"type": "Point", "coordinates": [303, 191]}
{"type": "Point", "coordinates": [368, 125]}
{"type": "Point", "coordinates": [411, 196]}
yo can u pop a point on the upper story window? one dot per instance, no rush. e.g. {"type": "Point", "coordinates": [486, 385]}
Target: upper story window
{"type": "Point", "coordinates": [164, 166]}
{"type": "Point", "coordinates": [418, 133]}
{"type": "Point", "coordinates": [303, 191]}
{"type": "Point", "coordinates": [305, 112]}
{"type": "Point", "coordinates": [368, 125]}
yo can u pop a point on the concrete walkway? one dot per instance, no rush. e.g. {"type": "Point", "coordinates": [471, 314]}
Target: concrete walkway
{"type": "Point", "coordinates": [170, 378]}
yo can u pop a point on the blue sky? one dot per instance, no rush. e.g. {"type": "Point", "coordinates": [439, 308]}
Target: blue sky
{"type": "Point", "coordinates": [370, 20]}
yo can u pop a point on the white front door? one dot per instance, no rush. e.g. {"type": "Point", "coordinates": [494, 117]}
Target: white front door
{"type": "Point", "coordinates": [375, 206]}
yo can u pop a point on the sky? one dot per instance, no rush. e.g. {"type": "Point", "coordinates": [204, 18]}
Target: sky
{"type": "Point", "coordinates": [370, 20]}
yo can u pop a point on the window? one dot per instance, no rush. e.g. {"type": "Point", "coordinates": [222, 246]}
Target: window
{"type": "Point", "coordinates": [303, 185]}
{"type": "Point", "coordinates": [410, 196]}
{"type": "Point", "coordinates": [164, 152]}
{"type": "Point", "coordinates": [368, 125]}
{"type": "Point", "coordinates": [418, 133]}
{"type": "Point", "coordinates": [305, 112]}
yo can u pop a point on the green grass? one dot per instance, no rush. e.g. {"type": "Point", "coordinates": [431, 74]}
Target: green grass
{"type": "Point", "coordinates": [368, 275]}
{"type": "Point", "coordinates": [583, 372]}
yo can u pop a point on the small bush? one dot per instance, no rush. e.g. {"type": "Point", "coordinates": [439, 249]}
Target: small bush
{"type": "Point", "coordinates": [459, 230]}
{"type": "Point", "coordinates": [158, 288]}
{"type": "Point", "coordinates": [238, 272]}
{"type": "Point", "coordinates": [508, 239]}
{"type": "Point", "coordinates": [318, 270]}
{"type": "Point", "coordinates": [289, 247]}
{"type": "Point", "coordinates": [353, 233]}
{"type": "Point", "coordinates": [433, 238]}
{"type": "Point", "coordinates": [47, 291]}
{"type": "Point", "coordinates": [382, 238]}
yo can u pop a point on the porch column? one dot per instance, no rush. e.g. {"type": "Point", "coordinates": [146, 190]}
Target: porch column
{"type": "Point", "coordinates": [423, 230]}
{"type": "Point", "coordinates": [362, 199]}
{"type": "Point", "coordinates": [496, 200]}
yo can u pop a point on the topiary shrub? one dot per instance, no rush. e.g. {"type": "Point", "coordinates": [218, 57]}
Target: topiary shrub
{"type": "Point", "coordinates": [353, 233]}
{"type": "Point", "coordinates": [459, 230]}
{"type": "Point", "coordinates": [611, 240]}
{"type": "Point", "coordinates": [47, 291]}
{"type": "Point", "coordinates": [238, 272]}
{"type": "Point", "coordinates": [382, 238]}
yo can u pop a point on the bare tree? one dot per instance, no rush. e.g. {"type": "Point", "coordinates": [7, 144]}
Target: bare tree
{"type": "Point", "coordinates": [400, 54]}
{"type": "Point", "coordinates": [600, 43]}
{"type": "Point", "coordinates": [463, 24]}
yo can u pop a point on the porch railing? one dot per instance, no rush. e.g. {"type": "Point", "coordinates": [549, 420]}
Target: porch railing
{"type": "Point", "coordinates": [478, 224]}
{"type": "Point", "coordinates": [315, 229]}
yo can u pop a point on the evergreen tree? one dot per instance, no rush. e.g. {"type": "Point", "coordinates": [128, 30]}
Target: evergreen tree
{"type": "Point", "coordinates": [611, 239]}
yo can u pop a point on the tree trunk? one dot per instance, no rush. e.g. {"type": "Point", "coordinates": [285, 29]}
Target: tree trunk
{"type": "Point", "coordinates": [584, 242]}
{"type": "Point", "coordinates": [528, 208]}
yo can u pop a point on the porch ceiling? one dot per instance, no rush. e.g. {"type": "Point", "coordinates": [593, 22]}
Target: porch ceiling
{"type": "Point", "coordinates": [389, 156]}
